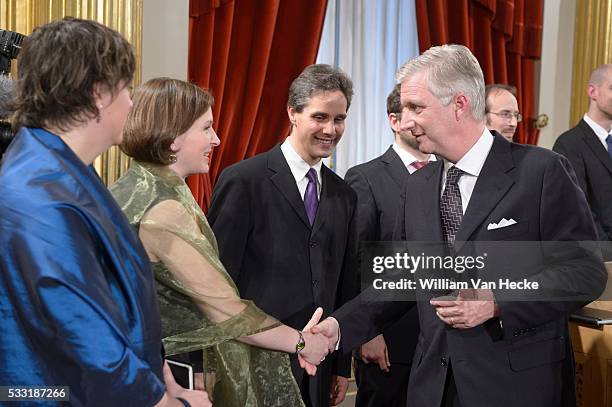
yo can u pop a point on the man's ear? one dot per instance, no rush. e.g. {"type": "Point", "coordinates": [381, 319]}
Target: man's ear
{"type": "Point", "coordinates": [394, 122]}
{"type": "Point", "coordinates": [461, 106]}
{"type": "Point", "coordinates": [291, 113]}
{"type": "Point", "coordinates": [592, 91]}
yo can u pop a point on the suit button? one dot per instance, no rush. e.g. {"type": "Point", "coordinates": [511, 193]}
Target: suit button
{"type": "Point", "coordinates": [314, 282]}
{"type": "Point", "coordinates": [313, 244]}
{"type": "Point", "coordinates": [443, 362]}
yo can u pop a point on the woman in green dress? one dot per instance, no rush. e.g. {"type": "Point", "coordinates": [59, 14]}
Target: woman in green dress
{"type": "Point", "coordinates": [169, 135]}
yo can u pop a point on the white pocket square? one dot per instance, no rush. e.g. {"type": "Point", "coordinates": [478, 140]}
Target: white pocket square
{"type": "Point", "coordinates": [501, 224]}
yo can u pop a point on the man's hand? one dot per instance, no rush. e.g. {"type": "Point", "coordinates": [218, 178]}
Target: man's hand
{"type": "Point", "coordinates": [471, 308]}
{"type": "Point", "coordinates": [376, 351]}
{"type": "Point", "coordinates": [330, 328]}
{"type": "Point", "coordinates": [338, 388]}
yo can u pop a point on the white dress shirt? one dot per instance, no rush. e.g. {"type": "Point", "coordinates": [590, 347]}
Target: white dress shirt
{"type": "Point", "coordinates": [299, 168]}
{"type": "Point", "coordinates": [471, 164]}
{"type": "Point", "coordinates": [407, 157]}
{"type": "Point", "coordinates": [600, 132]}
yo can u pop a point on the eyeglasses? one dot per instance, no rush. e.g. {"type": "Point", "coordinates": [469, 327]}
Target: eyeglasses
{"type": "Point", "coordinates": [509, 115]}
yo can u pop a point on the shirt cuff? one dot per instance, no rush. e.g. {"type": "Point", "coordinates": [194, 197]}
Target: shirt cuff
{"type": "Point", "coordinates": [338, 325]}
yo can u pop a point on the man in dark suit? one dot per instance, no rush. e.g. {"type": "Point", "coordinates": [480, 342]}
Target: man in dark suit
{"type": "Point", "coordinates": [489, 346]}
{"type": "Point", "coordinates": [284, 222]}
{"type": "Point", "coordinates": [588, 146]}
{"type": "Point", "coordinates": [382, 367]}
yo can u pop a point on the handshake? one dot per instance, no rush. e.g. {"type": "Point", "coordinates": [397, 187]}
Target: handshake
{"type": "Point", "coordinates": [320, 339]}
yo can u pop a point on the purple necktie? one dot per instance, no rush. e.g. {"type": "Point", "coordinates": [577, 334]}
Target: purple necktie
{"type": "Point", "coordinates": [311, 201]}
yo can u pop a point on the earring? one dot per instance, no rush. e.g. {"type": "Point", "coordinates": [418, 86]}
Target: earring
{"type": "Point", "coordinates": [172, 158]}
{"type": "Point", "coordinates": [100, 107]}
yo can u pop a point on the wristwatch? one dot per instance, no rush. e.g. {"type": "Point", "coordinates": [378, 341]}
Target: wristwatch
{"type": "Point", "coordinates": [301, 344]}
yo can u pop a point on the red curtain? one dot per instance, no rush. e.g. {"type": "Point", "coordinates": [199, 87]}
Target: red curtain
{"type": "Point", "coordinates": [505, 36]}
{"type": "Point", "coordinates": [247, 53]}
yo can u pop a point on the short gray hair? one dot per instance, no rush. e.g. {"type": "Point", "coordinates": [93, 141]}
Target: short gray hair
{"type": "Point", "coordinates": [599, 74]}
{"type": "Point", "coordinates": [318, 78]}
{"type": "Point", "coordinates": [450, 69]}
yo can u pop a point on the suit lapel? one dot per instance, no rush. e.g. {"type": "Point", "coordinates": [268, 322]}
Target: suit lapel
{"type": "Point", "coordinates": [325, 200]}
{"type": "Point", "coordinates": [283, 179]}
{"type": "Point", "coordinates": [492, 184]}
{"type": "Point", "coordinates": [592, 141]}
{"type": "Point", "coordinates": [395, 167]}
{"type": "Point", "coordinates": [428, 183]}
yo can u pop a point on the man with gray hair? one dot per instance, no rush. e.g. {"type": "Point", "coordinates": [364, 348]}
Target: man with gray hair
{"type": "Point", "coordinates": [284, 222]}
{"type": "Point", "coordinates": [484, 346]}
{"type": "Point", "coordinates": [588, 146]}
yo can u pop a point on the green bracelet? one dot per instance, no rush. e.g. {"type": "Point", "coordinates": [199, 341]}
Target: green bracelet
{"type": "Point", "coordinates": [301, 344]}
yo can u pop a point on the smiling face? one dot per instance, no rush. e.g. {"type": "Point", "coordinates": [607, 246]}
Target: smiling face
{"type": "Point", "coordinates": [193, 148]}
{"type": "Point", "coordinates": [319, 127]}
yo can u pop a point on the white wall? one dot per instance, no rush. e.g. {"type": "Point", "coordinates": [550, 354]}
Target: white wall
{"type": "Point", "coordinates": [165, 37]}
{"type": "Point", "coordinates": [556, 68]}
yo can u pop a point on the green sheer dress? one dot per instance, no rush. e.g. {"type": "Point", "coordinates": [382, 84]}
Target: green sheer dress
{"type": "Point", "coordinates": [199, 304]}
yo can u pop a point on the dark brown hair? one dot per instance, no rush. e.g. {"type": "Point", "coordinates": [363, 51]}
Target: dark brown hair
{"type": "Point", "coordinates": [318, 78]}
{"type": "Point", "coordinates": [58, 68]}
{"type": "Point", "coordinates": [394, 104]}
{"type": "Point", "coordinates": [163, 109]}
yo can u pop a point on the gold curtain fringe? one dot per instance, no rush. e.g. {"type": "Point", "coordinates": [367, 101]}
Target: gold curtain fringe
{"type": "Point", "coordinates": [124, 16]}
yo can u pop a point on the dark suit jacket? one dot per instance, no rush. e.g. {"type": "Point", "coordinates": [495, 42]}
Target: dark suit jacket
{"type": "Point", "coordinates": [528, 360]}
{"type": "Point", "coordinates": [593, 168]}
{"type": "Point", "coordinates": [378, 184]}
{"type": "Point", "coordinates": [279, 261]}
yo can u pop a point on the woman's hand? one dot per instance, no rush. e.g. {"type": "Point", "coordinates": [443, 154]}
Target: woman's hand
{"type": "Point", "coordinates": [175, 390]}
{"type": "Point", "coordinates": [315, 349]}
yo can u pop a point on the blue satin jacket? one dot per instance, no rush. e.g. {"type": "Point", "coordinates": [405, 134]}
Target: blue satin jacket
{"type": "Point", "coordinates": [78, 304]}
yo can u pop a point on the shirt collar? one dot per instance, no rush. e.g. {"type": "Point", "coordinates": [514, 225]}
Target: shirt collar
{"type": "Point", "coordinates": [407, 157]}
{"type": "Point", "coordinates": [472, 162]}
{"type": "Point", "coordinates": [601, 133]}
{"type": "Point", "coordinates": [297, 165]}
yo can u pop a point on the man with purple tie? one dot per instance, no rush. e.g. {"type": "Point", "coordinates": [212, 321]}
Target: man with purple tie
{"type": "Point", "coordinates": [284, 222]}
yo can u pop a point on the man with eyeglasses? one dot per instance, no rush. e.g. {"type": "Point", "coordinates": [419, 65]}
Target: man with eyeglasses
{"type": "Point", "coordinates": [502, 109]}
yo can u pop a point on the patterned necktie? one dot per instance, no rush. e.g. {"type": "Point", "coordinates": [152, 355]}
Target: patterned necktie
{"type": "Point", "coordinates": [419, 164]}
{"type": "Point", "coordinates": [311, 201]}
{"type": "Point", "coordinates": [609, 141]}
{"type": "Point", "coordinates": [451, 213]}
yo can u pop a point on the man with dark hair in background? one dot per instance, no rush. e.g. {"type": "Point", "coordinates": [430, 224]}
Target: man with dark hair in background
{"type": "Point", "coordinates": [588, 146]}
{"type": "Point", "coordinates": [502, 109]}
{"type": "Point", "coordinates": [382, 366]}
{"type": "Point", "coordinates": [283, 222]}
